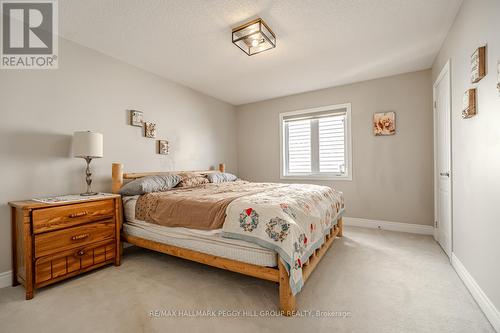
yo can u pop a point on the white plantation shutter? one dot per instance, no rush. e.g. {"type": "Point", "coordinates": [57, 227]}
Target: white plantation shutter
{"type": "Point", "coordinates": [315, 143]}
{"type": "Point", "coordinates": [332, 144]}
{"type": "Point", "coordinates": [299, 146]}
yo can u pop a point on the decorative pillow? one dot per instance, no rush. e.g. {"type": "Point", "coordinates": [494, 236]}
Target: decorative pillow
{"type": "Point", "coordinates": [150, 184]}
{"type": "Point", "coordinates": [221, 177]}
{"type": "Point", "coordinates": [189, 179]}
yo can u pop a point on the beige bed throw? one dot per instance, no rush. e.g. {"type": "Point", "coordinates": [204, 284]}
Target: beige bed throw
{"type": "Point", "coordinates": [202, 207]}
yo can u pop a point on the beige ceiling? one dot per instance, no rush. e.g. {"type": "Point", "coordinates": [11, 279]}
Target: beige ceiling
{"type": "Point", "coordinates": [320, 43]}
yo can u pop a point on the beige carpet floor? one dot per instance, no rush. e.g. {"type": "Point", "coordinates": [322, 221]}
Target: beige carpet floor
{"type": "Point", "coordinates": [385, 282]}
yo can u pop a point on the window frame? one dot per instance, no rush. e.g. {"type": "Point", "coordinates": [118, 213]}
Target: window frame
{"type": "Point", "coordinates": [347, 139]}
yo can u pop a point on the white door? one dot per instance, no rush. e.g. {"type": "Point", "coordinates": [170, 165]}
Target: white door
{"type": "Point", "coordinates": [442, 156]}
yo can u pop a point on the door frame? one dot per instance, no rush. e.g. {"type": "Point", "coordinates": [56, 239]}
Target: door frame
{"type": "Point", "coordinates": [445, 70]}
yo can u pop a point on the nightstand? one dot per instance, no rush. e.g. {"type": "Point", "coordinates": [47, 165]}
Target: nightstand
{"type": "Point", "coordinates": [54, 241]}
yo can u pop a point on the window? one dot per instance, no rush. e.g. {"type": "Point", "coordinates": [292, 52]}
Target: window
{"type": "Point", "coordinates": [316, 143]}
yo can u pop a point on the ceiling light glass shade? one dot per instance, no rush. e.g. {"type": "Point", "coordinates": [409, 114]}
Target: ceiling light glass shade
{"type": "Point", "coordinates": [254, 37]}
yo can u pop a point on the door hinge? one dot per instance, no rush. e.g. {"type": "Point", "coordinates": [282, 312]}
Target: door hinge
{"type": "Point", "coordinates": [435, 224]}
{"type": "Point", "coordinates": [435, 104]}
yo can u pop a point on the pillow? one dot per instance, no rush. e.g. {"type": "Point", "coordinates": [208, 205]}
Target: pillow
{"type": "Point", "coordinates": [221, 177]}
{"type": "Point", "coordinates": [150, 184]}
{"type": "Point", "coordinates": [190, 179]}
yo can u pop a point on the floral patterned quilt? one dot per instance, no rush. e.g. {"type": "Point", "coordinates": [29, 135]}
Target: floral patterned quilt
{"type": "Point", "coordinates": [291, 219]}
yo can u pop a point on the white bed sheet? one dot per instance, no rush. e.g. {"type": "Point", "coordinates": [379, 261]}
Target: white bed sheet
{"type": "Point", "coordinates": [205, 241]}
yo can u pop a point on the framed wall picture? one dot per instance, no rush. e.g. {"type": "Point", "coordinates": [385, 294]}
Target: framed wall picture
{"type": "Point", "coordinates": [478, 65]}
{"type": "Point", "coordinates": [469, 104]}
{"type": "Point", "coordinates": [149, 130]}
{"type": "Point", "coordinates": [384, 123]}
{"type": "Point", "coordinates": [498, 77]}
{"type": "Point", "coordinates": [163, 147]}
{"type": "Point", "coordinates": [136, 118]}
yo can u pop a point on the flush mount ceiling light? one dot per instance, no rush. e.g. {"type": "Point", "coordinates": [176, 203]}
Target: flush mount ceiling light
{"type": "Point", "coordinates": [254, 37]}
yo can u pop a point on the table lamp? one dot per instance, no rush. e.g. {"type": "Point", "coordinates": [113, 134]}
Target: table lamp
{"type": "Point", "coordinates": [87, 145]}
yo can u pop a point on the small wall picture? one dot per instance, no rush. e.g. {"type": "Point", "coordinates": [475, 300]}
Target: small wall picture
{"type": "Point", "coordinates": [478, 65]}
{"type": "Point", "coordinates": [469, 109]}
{"type": "Point", "coordinates": [136, 118]}
{"type": "Point", "coordinates": [163, 147]}
{"type": "Point", "coordinates": [149, 130]}
{"type": "Point", "coordinates": [384, 123]}
{"type": "Point", "coordinates": [498, 77]}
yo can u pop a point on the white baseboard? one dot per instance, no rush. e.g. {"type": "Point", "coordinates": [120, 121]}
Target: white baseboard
{"type": "Point", "coordinates": [392, 226]}
{"type": "Point", "coordinates": [477, 293]}
{"type": "Point", "coordinates": [6, 279]}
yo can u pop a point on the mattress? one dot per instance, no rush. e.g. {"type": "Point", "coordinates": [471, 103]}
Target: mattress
{"type": "Point", "coordinates": [205, 241]}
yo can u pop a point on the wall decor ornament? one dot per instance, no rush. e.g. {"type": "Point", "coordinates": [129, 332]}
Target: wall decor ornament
{"type": "Point", "coordinates": [149, 130]}
{"type": "Point", "coordinates": [384, 123]}
{"type": "Point", "coordinates": [469, 104]}
{"type": "Point", "coordinates": [478, 65]}
{"type": "Point", "coordinates": [163, 147]}
{"type": "Point", "coordinates": [498, 77]}
{"type": "Point", "coordinates": [136, 118]}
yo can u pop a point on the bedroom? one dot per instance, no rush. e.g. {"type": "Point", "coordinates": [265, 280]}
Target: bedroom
{"type": "Point", "coordinates": [396, 233]}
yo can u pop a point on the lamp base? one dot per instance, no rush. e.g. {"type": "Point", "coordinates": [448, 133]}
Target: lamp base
{"type": "Point", "coordinates": [86, 194]}
{"type": "Point", "coordinates": [89, 192]}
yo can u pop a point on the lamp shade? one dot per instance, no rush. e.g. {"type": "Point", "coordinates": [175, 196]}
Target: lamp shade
{"type": "Point", "coordinates": [87, 144]}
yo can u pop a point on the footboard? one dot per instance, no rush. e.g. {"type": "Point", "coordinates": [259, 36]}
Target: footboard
{"type": "Point", "coordinates": [287, 300]}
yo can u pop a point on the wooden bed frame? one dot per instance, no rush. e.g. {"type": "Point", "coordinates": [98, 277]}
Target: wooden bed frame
{"type": "Point", "coordinates": [279, 275]}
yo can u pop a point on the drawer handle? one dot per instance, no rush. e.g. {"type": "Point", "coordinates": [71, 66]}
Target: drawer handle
{"type": "Point", "coordinates": [79, 214]}
{"type": "Point", "coordinates": [81, 253]}
{"type": "Point", "coordinates": [78, 237]}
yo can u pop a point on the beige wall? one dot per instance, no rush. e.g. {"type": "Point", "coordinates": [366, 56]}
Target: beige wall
{"type": "Point", "coordinates": [41, 109]}
{"type": "Point", "coordinates": [392, 176]}
{"type": "Point", "coordinates": [476, 144]}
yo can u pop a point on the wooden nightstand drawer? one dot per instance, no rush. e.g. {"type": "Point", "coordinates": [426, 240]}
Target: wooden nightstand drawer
{"type": "Point", "coordinates": [72, 262]}
{"type": "Point", "coordinates": [57, 240]}
{"type": "Point", "coordinates": [61, 240]}
{"type": "Point", "coordinates": [54, 218]}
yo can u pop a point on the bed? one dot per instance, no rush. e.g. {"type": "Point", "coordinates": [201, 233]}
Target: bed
{"type": "Point", "coordinates": [275, 232]}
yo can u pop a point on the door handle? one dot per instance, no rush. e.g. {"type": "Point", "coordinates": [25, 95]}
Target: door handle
{"type": "Point", "coordinates": [444, 174]}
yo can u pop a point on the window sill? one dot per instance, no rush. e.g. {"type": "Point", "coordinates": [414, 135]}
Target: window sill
{"type": "Point", "coordinates": [316, 177]}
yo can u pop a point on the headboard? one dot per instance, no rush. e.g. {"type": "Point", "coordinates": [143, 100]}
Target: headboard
{"type": "Point", "coordinates": [118, 176]}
